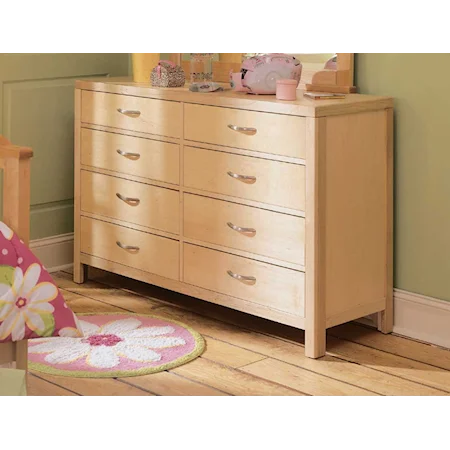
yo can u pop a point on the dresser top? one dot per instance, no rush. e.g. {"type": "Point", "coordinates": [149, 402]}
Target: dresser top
{"type": "Point", "coordinates": [303, 106]}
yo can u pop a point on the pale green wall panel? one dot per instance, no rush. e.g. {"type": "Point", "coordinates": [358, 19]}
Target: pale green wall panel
{"type": "Point", "coordinates": [51, 219]}
{"type": "Point", "coordinates": [34, 107]}
{"type": "Point", "coordinates": [37, 110]}
{"type": "Point", "coordinates": [422, 163]}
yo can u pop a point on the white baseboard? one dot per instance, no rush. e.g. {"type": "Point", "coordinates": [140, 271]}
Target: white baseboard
{"type": "Point", "coordinates": [55, 253]}
{"type": "Point", "coordinates": [423, 318]}
{"type": "Point", "coordinates": [418, 317]}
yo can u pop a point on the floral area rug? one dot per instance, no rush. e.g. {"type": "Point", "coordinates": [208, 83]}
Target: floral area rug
{"type": "Point", "coordinates": [116, 345]}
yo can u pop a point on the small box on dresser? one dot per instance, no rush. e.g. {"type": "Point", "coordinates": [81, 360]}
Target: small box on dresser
{"type": "Point", "coordinates": [278, 209]}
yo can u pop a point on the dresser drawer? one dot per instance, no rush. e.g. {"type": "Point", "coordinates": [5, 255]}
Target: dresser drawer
{"type": "Point", "coordinates": [131, 155]}
{"type": "Point", "coordinates": [271, 182]}
{"type": "Point", "coordinates": [149, 253]}
{"type": "Point", "coordinates": [154, 207]}
{"type": "Point", "coordinates": [272, 286]}
{"type": "Point", "coordinates": [272, 133]}
{"type": "Point", "coordinates": [270, 234]}
{"type": "Point", "coordinates": [138, 114]}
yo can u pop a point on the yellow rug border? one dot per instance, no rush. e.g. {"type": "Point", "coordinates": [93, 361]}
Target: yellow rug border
{"type": "Point", "coordinates": [200, 347]}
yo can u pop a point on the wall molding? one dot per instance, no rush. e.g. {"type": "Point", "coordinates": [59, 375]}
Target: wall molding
{"type": "Point", "coordinates": [55, 252]}
{"type": "Point", "coordinates": [423, 318]}
{"type": "Point", "coordinates": [419, 317]}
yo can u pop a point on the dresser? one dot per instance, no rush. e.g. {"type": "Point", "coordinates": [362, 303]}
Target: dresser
{"type": "Point", "coordinates": [282, 210]}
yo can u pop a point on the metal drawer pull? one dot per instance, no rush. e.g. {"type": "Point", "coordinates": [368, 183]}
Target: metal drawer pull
{"type": "Point", "coordinates": [129, 200]}
{"type": "Point", "coordinates": [244, 178]}
{"type": "Point", "coordinates": [129, 112]}
{"type": "Point", "coordinates": [248, 231]}
{"type": "Point", "coordinates": [133, 156]}
{"type": "Point", "coordinates": [246, 280]}
{"type": "Point", "coordinates": [245, 130]}
{"type": "Point", "coordinates": [130, 248]}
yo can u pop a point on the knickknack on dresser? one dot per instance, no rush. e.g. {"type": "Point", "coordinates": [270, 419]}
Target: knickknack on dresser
{"type": "Point", "coordinates": [278, 209]}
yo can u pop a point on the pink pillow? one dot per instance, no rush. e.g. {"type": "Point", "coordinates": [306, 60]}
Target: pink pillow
{"type": "Point", "coordinates": [31, 305]}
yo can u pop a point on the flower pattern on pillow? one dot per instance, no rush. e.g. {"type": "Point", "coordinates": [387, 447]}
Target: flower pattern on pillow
{"type": "Point", "coordinates": [6, 231]}
{"type": "Point", "coordinates": [31, 305]}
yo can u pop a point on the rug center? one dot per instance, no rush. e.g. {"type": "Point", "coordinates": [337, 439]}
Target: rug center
{"type": "Point", "coordinates": [21, 302]}
{"type": "Point", "coordinates": [109, 340]}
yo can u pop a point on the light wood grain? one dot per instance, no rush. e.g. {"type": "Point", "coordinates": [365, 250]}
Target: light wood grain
{"type": "Point", "coordinates": [278, 236]}
{"type": "Point", "coordinates": [229, 355]}
{"type": "Point", "coordinates": [397, 345]}
{"type": "Point", "coordinates": [323, 164]}
{"type": "Point", "coordinates": [156, 254]}
{"type": "Point", "coordinates": [386, 317]}
{"type": "Point", "coordinates": [258, 309]}
{"type": "Point", "coordinates": [134, 226]}
{"type": "Point", "coordinates": [276, 287]}
{"type": "Point", "coordinates": [355, 230]}
{"type": "Point", "coordinates": [241, 201]}
{"type": "Point", "coordinates": [374, 379]}
{"type": "Point", "coordinates": [124, 300]}
{"type": "Point", "coordinates": [392, 364]}
{"type": "Point", "coordinates": [171, 384]}
{"type": "Point", "coordinates": [79, 269]}
{"type": "Point", "coordinates": [156, 207]}
{"type": "Point", "coordinates": [42, 388]}
{"type": "Point", "coordinates": [80, 305]}
{"type": "Point", "coordinates": [94, 386]}
{"type": "Point", "coordinates": [132, 133]}
{"type": "Point", "coordinates": [145, 158]}
{"type": "Point", "coordinates": [302, 380]}
{"type": "Point", "coordinates": [243, 152]}
{"type": "Point", "coordinates": [247, 334]}
{"type": "Point", "coordinates": [231, 381]}
{"type": "Point", "coordinates": [315, 338]}
{"type": "Point", "coordinates": [338, 371]}
{"type": "Point", "coordinates": [155, 116]}
{"type": "Point", "coordinates": [277, 183]}
{"type": "Point", "coordinates": [245, 254]}
{"type": "Point", "coordinates": [303, 107]}
{"type": "Point", "coordinates": [276, 134]}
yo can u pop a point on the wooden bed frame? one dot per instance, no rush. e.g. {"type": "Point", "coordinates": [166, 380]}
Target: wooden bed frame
{"type": "Point", "coordinates": [15, 162]}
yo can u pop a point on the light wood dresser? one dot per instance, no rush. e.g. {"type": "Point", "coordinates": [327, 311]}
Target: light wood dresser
{"type": "Point", "coordinates": [282, 210]}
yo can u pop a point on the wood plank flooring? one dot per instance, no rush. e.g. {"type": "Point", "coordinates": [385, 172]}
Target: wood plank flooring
{"type": "Point", "coordinates": [251, 356]}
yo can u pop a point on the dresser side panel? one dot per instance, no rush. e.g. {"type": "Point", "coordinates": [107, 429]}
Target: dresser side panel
{"type": "Point", "coordinates": [354, 202]}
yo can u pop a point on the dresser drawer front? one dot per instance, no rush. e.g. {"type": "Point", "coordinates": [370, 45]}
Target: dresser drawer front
{"type": "Point", "coordinates": [274, 287]}
{"type": "Point", "coordinates": [272, 182]}
{"type": "Point", "coordinates": [275, 133]}
{"type": "Point", "coordinates": [131, 155]}
{"type": "Point", "coordinates": [149, 253]}
{"type": "Point", "coordinates": [157, 208]}
{"type": "Point", "coordinates": [265, 233]}
{"type": "Point", "coordinates": [146, 115]}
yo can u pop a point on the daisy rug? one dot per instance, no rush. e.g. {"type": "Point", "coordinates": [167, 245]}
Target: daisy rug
{"type": "Point", "coordinates": [116, 345]}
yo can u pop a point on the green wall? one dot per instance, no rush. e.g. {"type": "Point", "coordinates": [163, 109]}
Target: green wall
{"type": "Point", "coordinates": [422, 163]}
{"type": "Point", "coordinates": [37, 110]}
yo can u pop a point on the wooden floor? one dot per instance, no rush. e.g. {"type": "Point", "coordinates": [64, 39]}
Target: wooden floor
{"type": "Point", "coordinates": [251, 356]}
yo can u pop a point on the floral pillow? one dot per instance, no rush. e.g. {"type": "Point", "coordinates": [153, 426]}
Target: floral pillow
{"type": "Point", "coordinates": [31, 305]}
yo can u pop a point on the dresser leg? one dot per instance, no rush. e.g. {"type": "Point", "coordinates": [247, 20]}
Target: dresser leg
{"type": "Point", "coordinates": [79, 273]}
{"type": "Point", "coordinates": [315, 343]}
{"type": "Point", "coordinates": [386, 321]}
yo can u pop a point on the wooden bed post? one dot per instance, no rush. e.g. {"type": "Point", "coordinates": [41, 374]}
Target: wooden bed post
{"type": "Point", "coordinates": [15, 162]}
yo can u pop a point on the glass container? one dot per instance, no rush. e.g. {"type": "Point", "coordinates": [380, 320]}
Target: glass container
{"type": "Point", "coordinates": [201, 67]}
